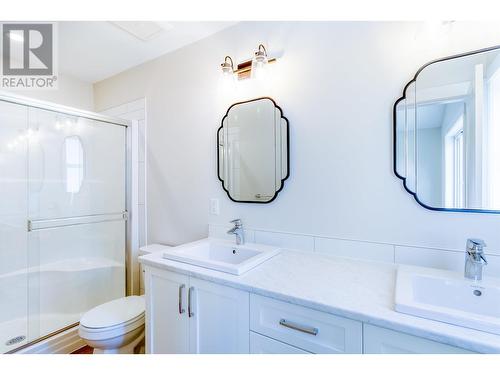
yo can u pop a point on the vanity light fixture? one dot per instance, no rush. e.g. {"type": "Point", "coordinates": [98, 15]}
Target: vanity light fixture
{"type": "Point", "coordinates": [254, 67]}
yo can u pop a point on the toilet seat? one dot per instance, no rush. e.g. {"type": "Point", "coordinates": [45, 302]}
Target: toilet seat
{"type": "Point", "coordinates": [108, 333]}
{"type": "Point", "coordinates": [113, 319]}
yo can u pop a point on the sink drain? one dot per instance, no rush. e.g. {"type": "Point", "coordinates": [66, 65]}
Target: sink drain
{"type": "Point", "coordinates": [15, 340]}
{"type": "Point", "coordinates": [477, 293]}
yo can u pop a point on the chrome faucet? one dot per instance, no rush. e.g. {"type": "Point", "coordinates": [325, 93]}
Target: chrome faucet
{"type": "Point", "coordinates": [237, 231]}
{"type": "Point", "coordinates": [474, 259]}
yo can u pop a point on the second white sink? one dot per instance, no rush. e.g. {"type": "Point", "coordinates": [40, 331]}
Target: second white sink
{"type": "Point", "coordinates": [222, 255]}
{"type": "Point", "coordinates": [449, 297]}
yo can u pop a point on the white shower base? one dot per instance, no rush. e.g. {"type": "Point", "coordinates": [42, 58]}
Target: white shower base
{"type": "Point", "coordinates": [11, 329]}
{"type": "Point", "coordinates": [19, 327]}
{"type": "Point", "coordinates": [63, 291]}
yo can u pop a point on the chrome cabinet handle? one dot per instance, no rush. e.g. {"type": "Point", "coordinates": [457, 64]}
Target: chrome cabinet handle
{"type": "Point", "coordinates": [299, 327]}
{"type": "Point", "coordinates": [181, 309]}
{"type": "Point", "coordinates": [190, 312]}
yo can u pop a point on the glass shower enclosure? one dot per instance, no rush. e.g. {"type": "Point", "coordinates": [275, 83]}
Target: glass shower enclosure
{"type": "Point", "coordinates": [63, 217]}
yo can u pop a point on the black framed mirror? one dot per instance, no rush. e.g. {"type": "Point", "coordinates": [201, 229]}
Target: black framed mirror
{"type": "Point", "coordinates": [447, 133]}
{"type": "Point", "coordinates": [253, 151]}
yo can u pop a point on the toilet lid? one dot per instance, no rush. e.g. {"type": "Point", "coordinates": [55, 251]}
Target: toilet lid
{"type": "Point", "coordinates": [115, 312]}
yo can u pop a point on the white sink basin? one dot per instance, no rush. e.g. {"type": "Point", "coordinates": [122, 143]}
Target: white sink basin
{"type": "Point", "coordinates": [222, 255]}
{"type": "Point", "coordinates": [449, 297]}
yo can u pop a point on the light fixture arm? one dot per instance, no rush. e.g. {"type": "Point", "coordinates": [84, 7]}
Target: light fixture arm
{"type": "Point", "coordinates": [226, 64]}
{"type": "Point", "coordinates": [262, 49]}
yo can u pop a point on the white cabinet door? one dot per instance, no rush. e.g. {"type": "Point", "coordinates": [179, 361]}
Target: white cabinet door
{"type": "Point", "coordinates": [385, 341]}
{"type": "Point", "coordinates": [167, 322]}
{"type": "Point", "coordinates": [220, 318]}
{"type": "Point", "coordinates": [264, 345]}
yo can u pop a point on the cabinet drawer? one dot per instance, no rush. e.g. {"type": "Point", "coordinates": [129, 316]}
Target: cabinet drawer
{"type": "Point", "coordinates": [310, 330]}
{"type": "Point", "coordinates": [264, 345]}
{"type": "Point", "coordinates": [386, 341]}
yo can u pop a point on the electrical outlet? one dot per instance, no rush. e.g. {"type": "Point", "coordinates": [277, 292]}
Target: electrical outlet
{"type": "Point", "coordinates": [214, 206]}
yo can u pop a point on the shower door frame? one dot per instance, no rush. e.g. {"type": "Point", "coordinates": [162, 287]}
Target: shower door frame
{"type": "Point", "coordinates": [53, 107]}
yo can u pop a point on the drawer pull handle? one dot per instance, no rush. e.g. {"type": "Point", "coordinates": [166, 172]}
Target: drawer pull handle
{"type": "Point", "coordinates": [299, 327]}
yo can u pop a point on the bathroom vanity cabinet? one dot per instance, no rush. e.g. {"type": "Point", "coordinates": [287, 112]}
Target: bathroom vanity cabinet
{"type": "Point", "coordinates": [185, 314]}
{"type": "Point", "coordinates": [189, 315]}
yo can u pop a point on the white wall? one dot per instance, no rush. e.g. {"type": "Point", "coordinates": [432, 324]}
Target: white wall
{"type": "Point", "coordinates": [336, 82]}
{"type": "Point", "coordinates": [71, 92]}
{"type": "Point", "coordinates": [430, 166]}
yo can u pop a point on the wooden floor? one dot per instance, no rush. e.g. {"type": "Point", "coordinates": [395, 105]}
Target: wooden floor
{"type": "Point", "coordinates": [84, 350]}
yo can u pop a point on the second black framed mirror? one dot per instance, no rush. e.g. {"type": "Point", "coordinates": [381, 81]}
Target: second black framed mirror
{"type": "Point", "coordinates": [446, 133]}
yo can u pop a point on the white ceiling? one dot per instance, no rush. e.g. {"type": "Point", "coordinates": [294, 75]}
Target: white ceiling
{"type": "Point", "coordinates": [95, 50]}
{"type": "Point", "coordinates": [431, 116]}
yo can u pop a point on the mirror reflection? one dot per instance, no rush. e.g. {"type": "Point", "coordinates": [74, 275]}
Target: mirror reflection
{"type": "Point", "coordinates": [447, 133]}
{"type": "Point", "coordinates": [253, 151]}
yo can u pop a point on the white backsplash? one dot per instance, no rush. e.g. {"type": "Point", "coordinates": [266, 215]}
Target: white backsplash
{"type": "Point", "coordinates": [447, 259]}
{"type": "Point", "coordinates": [355, 249]}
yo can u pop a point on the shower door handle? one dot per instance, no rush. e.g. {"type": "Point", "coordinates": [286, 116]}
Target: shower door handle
{"type": "Point", "coordinates": [181, 309]}
{"type": "Point", "coordinates": [40, 224]}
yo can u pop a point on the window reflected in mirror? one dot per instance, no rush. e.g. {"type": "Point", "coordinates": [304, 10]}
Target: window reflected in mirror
{"type": "Point", "coordinates": [74, 163]}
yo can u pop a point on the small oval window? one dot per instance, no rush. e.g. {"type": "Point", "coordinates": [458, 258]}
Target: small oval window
{"type": "Point", "coordinates": [74, 163]}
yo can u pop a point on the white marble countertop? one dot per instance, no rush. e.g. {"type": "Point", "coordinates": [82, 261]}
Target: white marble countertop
{"type": "Point", "coordinates": [354, 289]}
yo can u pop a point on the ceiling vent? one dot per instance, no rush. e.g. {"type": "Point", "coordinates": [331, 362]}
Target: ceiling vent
{"type": "Point", "coordinates": [143, 30]}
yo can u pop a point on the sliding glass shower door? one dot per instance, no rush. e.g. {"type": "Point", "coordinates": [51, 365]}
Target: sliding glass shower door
{"type": "Point", "coordinates": [64, 206]}
{"type": "Point", "coordinates": [13, 234]}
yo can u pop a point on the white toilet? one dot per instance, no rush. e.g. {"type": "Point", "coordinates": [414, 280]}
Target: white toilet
{"type": "Point", "coordinates": [115, 327]}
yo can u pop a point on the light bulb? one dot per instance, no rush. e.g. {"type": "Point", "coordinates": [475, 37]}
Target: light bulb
{"type": "Point", "coordinates": [259, 63]}
{"type": "Point", "coordinates": [228, 82]}
{"type": "Point", "coordinates": [228, 78]}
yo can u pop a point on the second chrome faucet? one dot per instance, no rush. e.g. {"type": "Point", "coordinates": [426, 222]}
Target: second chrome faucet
{"type": "Point", "coordinates": [474, 259]}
